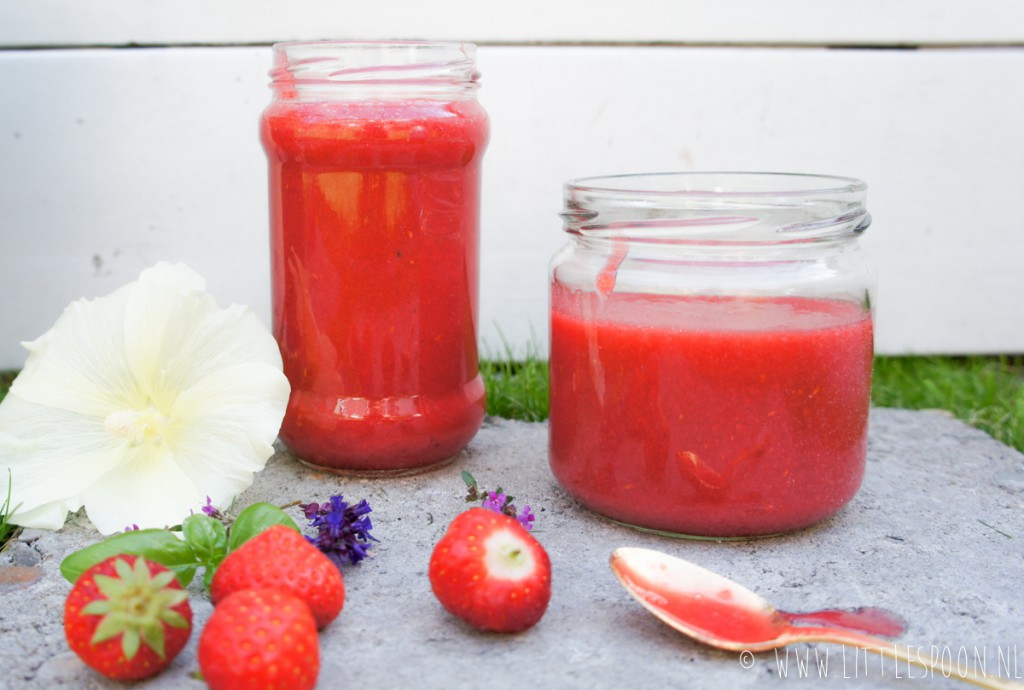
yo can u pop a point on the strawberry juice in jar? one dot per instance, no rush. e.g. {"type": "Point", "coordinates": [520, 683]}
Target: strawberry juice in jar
{"type": "Point", "coordinates": [374, 154]}
{"type": "Point", "coordinates": [711, 350]}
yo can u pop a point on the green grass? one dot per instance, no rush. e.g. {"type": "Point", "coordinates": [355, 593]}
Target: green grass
{"type": "Point", "coordinates": [985, 392]}
{"type": "Point", "coordinates": [6, 378]}
{"type": "Point", "coordinates": [7, 530]}
{"type": "Point", "coordinates": [516, 390]}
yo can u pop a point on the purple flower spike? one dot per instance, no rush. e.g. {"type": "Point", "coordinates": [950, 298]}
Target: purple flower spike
{"type": "Point", "coordinates": [495, 501]}
{"type": "Point", "coordinates": [343, 530]}
{"type": "Point", "coordinates": [212, 511]}
{"type": "Point", "coordinates": [526, 518]}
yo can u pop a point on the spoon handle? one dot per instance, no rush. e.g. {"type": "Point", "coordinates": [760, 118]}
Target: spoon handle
{"type": "Point", "coordinates": [866, 619]}
{"type": "Point", "coordinates": [894, 651]}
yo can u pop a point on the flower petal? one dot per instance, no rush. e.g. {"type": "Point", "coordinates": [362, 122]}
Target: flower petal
{"type": "Point", "coordinates": [47, 516]}
{"type": "Point", "coordinates": [147, 489]}
{"type": "Point", "coordinates": [225, 425]}
{"type": "Point", "coordinates": [55, 455]}
{"type": "Point", "coordinates": [244, 399]}
{"type": "Point", "coordinates": [176, 335]}
{"type": "Point", "coordinates": [79, 365]}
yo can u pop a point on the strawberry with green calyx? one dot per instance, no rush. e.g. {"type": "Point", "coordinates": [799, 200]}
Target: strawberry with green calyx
{"type": "Point", "coordinates": [202, 541]}
{"type": "Point", "coordinates": [127, 617]}
{"type": "Point", "coordinates": [282, 558]}
{"type": "Point", "coordinates": [260, 638]}
{"type": "Point", "coordinates": [490, 572]}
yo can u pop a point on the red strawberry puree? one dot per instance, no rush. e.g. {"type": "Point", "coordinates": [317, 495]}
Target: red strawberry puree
{"type": "Point", "coordinates": [716, 416]}
{"type": "Point", "coordinates": [375, 272]}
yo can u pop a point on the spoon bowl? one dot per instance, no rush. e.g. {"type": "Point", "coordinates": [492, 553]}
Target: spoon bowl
{"type": "Point", "coordinates": [721, 613]}
{"type": "Point", "coordinates": [697, 602]}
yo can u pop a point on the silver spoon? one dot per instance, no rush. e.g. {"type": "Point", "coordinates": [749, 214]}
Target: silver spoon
{"type": "Point", "coordinates": [718, 612]}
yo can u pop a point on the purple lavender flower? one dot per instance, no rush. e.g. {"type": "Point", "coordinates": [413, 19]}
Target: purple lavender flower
{"type": "Point", "coordinates": [343, 530]}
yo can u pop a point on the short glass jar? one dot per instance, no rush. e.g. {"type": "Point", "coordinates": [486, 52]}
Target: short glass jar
{"type": "Point", "coordinates": [711, 350]}
{"type": "Point", "coordinates": [374, 152]}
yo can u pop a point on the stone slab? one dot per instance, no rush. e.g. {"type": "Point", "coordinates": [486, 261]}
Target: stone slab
{"type": "Point", "coordinates": [936, 534]}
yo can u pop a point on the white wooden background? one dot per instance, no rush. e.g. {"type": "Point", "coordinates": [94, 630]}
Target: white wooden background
{"type": "Point", "coordinates": [128, 135]}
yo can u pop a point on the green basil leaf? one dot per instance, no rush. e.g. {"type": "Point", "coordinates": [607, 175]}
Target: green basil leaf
{"type": "Point", "coordinates": [255, 519]}
{"type": "Point", "coordinates": [157, 545]}
{"type": "Point", "coordinates": [208, 576]}
{"type": "Point", "coordinates": [207, 537]}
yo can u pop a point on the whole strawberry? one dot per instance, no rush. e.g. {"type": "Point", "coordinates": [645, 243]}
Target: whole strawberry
{"type": "Point", "coordinates": [127, 617]}
{"type": "Point", "coordinates": [282, 558]}
{"type": "Point", "coordinates": [257, 639]}
{"type": "Point", "coordinates": [490, 572]}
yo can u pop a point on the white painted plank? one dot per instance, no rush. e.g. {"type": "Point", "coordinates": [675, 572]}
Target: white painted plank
{"type": "Point", "coordinates": [111, 160]}
{"type": "Point", "coordinates": [813, 22]}
{"type": "Point", "coordinates": [939, 136]}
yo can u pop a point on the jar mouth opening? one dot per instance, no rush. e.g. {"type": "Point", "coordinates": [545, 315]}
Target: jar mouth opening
{"type": "Point", "coordinates": [719, 184]}
{"type": "Point", "coordinates": [374, 64]}
{"type": "Point", "coordinates": [716, 208]}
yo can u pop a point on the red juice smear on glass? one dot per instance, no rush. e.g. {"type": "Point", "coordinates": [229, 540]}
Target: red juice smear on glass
{"type": "Point", "coordinates": [709, 416]}
{"type": "Point", "coordinates": [375, 274]}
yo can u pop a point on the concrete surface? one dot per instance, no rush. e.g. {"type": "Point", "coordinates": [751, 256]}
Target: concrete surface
{"type": "Point", "coordinates": [935, 534]}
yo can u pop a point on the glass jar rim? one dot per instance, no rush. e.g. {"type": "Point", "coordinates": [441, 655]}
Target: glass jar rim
{"type": "Point", "coordinates": [716, 208]}
{"type": "Point", "coordinates": [317, 67]}
{"type": "Point", "coordinates": [668, 184]}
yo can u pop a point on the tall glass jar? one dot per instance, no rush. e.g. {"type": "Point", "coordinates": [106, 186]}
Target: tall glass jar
{"type": "Point", "coordinates": [711, 350]}
{"type": "Point", "coordinates": [375, 153]}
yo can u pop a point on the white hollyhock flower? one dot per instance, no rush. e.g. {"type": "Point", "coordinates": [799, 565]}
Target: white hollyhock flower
{"type": "Point", "coordinates": [140, 404]}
